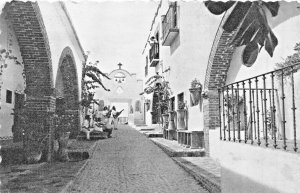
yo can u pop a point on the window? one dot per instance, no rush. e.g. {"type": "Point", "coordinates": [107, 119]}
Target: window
{"type": "Point", "coordinates": [180, 100]}
{"type": "Point", "coordinates": [8, 96]}
{"type": "Point", "coordinates": [173, 104]}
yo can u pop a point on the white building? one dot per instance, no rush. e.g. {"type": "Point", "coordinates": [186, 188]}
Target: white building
{"type": "Point", "coordinates": [195, 45]}
{"type": "Point", "coordinates": [124, 94]}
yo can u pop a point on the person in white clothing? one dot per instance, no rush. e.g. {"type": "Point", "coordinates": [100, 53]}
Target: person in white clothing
{"type": "Point", "coordinates": [114, 117]}
{"type": "Point", "coordinates": [86, 127]}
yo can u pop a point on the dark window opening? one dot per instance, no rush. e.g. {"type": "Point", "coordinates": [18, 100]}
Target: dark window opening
{"type": "Point", "coordinates": [8, 96]}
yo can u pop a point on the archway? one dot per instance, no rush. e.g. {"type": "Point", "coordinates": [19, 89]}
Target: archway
{"type": "Point", "coordinates": [67, 93]}
{"type": "Point", "coordinates": [221, 56]}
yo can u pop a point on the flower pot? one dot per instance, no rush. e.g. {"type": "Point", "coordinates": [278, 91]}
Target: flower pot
{"type": "Point", "coordinates": [33, 157]}
{"type": "Point", "coordinates": [195, 95]}
{"type": "Point", "coordinates": [62, 149]}
{"type": "Point", "coordinates": [181, 115]}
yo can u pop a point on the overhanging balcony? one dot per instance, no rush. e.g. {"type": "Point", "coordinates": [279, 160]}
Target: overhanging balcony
{"type": "Point", "coordinates": [154, 55]}
{"type": "Point", "coordinates": [170, 26]}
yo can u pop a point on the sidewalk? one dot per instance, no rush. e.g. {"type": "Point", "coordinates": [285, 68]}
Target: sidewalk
{"type": "Point", "coordinates": [46, 177]}
{"type": "Point", "coordinates": [204, 169]}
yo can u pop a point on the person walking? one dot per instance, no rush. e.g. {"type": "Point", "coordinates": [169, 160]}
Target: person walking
{"type": "Point", "coordinates": [115, 118]}
{"type": "Point", "coordinates": [106, 120]}
{"type": "Point", "coordinates": [86, 128]}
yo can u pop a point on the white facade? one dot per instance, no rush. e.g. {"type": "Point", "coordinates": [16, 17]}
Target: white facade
{"type": "Point", "coordinates": [11, 77]}
{"type": "Point", "coordinates": [61, 35]}
{"type": "Point", "coordinates": [258, 169]}
{"type": "Point", "coordinates": [187, 56]}
{"type": "Point", "coordinates": [125, 90]}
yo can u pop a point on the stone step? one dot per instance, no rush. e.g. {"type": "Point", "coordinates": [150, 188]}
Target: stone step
{"type": "Point", "coordinates": [173, 149]}
{"type": "Point", "coordinates": [154, 135]}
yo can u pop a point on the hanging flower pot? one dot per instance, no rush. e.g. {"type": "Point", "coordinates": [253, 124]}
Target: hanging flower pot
{"type": "Point", "coordinates": [195, 95]}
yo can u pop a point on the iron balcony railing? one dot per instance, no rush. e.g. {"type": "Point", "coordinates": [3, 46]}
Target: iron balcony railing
{"type": "Point", "coordinates": [262, 110]}
{"type": "Point", "coordinates": [154, 53]}
{"type": "Point", "coordinates": [170, 20]}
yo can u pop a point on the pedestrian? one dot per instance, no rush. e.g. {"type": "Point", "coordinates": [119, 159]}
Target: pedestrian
{"type": "Point", "coordinates": [105, 119]}
{"type": "Point", "coordinates": [86, 126]}
{"type": "Point", "coordinates": [115, 118]}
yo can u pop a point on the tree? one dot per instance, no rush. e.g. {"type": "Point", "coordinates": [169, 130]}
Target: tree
{"type": "Point", "coordinates": [250, 22]}
{"type": "Point", "coordinates": [92, 79]}
{"type": "Point", "coordinates": [158, 85]}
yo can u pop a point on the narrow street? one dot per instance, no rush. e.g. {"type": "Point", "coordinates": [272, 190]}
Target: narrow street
{"type": "Point", "coordinates": [129, 162]}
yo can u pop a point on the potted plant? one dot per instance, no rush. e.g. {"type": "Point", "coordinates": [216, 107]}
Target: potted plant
{"type": "Point", "coordinates": [205, 94]}
{"type": "Point", "coordinates": [181, 115]}
{"type": "Point", "coordinates": [195, 90]}
{"type": "Point", "coordinates": [62, 134]}
{"type": "Point", "coordinates": [34, 142]}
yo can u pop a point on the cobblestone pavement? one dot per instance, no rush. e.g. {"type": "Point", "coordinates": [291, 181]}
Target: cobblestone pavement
{"type": "Point", "coordinates": [131, 163]}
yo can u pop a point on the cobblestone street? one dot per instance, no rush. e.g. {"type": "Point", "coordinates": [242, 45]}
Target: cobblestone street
{"type": "Point", "coordinates": [129, 162]}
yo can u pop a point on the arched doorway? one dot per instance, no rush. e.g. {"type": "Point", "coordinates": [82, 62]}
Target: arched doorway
{"type": "Point", "coordinates": [67, 93]}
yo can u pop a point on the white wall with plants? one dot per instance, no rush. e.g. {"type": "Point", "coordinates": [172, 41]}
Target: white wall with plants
{"type": "Point", "coordinates": [12, 78]}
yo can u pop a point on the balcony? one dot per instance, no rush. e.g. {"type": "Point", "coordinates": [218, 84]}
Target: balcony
{"type": "Point", "coordinates": [262, 110]}
{"type": "Point", "coordinates": [154, 55]}
{"type": "Point", "coordinates": [170, 26]}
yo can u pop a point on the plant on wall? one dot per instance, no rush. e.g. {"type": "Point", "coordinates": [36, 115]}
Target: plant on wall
{"type": "Point", "coordinates": [195, 90]}
{"type": "Point", "coordinates": [92, 79]}
{"type": "Point", "coordinates": [6, 57]}
{"type": "Point", "coordinates": [250, 22]}
{"type": "Point", "coordinates": [290, 61]}
{"type": "Point", "coordinates": [160, 87]}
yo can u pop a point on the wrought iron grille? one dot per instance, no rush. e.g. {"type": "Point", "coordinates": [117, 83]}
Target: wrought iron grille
{"type": "Point", "coordinates": [154, 52]}
{"type": "Point", "coordinates": [262, 110]}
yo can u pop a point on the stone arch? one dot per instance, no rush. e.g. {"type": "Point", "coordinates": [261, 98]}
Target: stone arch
{"type": "Point", "coordinates": [26, 21]}
{"type": "Point", "coordinates": [218, 66]}
{"type": "Point", "coordinates": [67, 92]}
{"type": "Point", "coordinates": [25, 18]}
{"type": "Point", "coordinates": [215, 77]}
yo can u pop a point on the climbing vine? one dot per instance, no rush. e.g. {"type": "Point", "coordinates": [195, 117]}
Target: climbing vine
{"type": "Point", "coordinates": [92, 79]}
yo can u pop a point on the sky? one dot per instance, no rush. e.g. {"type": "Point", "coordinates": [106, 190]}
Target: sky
{"type": "Point", "coordinates": [114, 31]}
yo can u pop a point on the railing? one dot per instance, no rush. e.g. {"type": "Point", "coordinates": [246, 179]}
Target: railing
{"type": "Point", "coordinates": [154, 52]}
{"type": "Point", "coordinates": [170, 19]}
{"type": "Point", "coordinates": [262, 109]}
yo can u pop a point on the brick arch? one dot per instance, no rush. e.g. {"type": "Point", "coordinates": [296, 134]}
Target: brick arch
{"type": "Point", "coordinates": [216, 74]}
{"type": "Point", "coordinates": [67, 88]}
{"type": "Point", "coordinates": [26, 21]}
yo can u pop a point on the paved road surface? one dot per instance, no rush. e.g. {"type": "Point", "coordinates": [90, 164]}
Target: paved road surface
{"type": "Point", "coordinates": [131, 163]}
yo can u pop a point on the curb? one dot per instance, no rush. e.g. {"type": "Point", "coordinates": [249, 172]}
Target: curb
{"type": "Point", "coordinates": [71, 182]}
{"type": "Point", "coordinates": [207, 180]}
{"type": "Point", "coordinates": [153, 135]}
{"type": "Point", "coordinates": [172, 153]}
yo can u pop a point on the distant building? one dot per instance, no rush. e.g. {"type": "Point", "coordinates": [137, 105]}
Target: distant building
{"type": "Point", "coordinates": [124, 93]}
